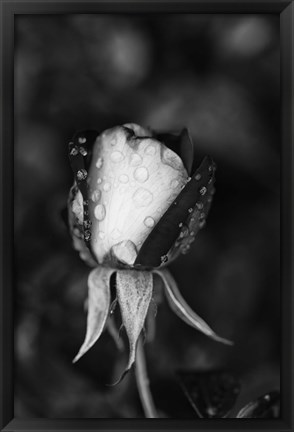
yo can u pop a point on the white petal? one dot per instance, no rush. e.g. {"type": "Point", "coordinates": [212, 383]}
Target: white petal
{"type": "Point", "coordinates": [138, 180]}
{"type": "Point", "coordinates": [98, 307]}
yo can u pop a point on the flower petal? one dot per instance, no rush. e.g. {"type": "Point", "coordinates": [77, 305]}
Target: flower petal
{"type": "Point", "coordinates": [80, 154]}
{"type": "Point", "coordinates": [180, 144]}
{"type": "Point", "coordinates": [98, 307]}
{"type": "Point", "coordinates": [198, 191]}
{"type": "Point", "coordinates": [183, 310]}
{"type": "Point", "coordinates": [75, 225]}
{"type": "Point", "coordinates": [133, 182]}
{"type": "Point", "coordinates": [134, 293]}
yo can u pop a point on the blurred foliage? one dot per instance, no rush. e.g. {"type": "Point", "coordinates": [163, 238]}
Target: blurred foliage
{"type": "Point", "coordinates": [218, 75]}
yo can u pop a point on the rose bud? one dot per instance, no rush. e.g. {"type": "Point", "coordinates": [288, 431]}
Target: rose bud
{"type": "Point", "coordinates": [134, 207]}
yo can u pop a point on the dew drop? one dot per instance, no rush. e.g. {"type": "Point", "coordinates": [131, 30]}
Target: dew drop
{"type": "Point", "coordinates": [87, 235]}
{"type": "Point", "coordinates": [82, 140]}
{"type": "Point", "coordinates": [190, 210]}
{"type": "Point", "coordinates": [123, 178]}
{"type": "Point", "coordinates": [107, 187]}
{"type": "Point", "coordinates": [82, 174]}
{"type": "Point", "coordinates": [141, 174]}
{"type": "Point", "coordinates": [142, 197]}
{"type": "Point", "coordinates": [172, 159]}
{"type": "Point", "coordinates": [99, 180]}
{"type": "Point", "coordinates": [202, 223]}
{"type": "Point", "coordinates": [198, 177]}
{"type": "Point", "coordinates": [100, 212]}
{"type": "Point", "coordinates": [203, 190]}
{"type": "Point", "coordinates": [174, 183]}
{"type": "Point", "coordinates": [74, 151]}
{"type": "Point", "coordinates": [83, 151]}
{"type": "Point", "coordinates": [135, 160]}
{"type": "Point", "coordinates": [87, 223]}
{"type": "Point", "coordinates": [116, 156]}
{"type": "Point", "coordinates": [149, 222]}
{"type": "Point", "coordinates": [115, 234]}
{"type": "Point", "coordinates": [180, 225]}
{"type": "Point", "coordinates": [96, 195]}
{"type": "Point", "coordinates": [99, 162]}
{"type": "Point", "coordinates": [150, 150]}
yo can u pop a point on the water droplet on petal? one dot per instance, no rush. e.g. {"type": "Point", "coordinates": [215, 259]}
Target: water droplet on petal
{"type": "Point", "coordinates": [100, 212]}
{"type": "Point", "coordinates": [203, 190]}
{"type": "Point", "coordinates": [99, 180]}
{"type": "Point", "coordinates": [141, 174]}
{"type": "Point", "coordinates": [116, 156]}
{"type": "Point", "coordinates": [115, 233]}
{"type": "Point", "coordinates": [107, 187]}
{"type": "Point", "coordinates": [87, 223]}
{"type": "Point", "coordinates": [149, 222]}
{"type": "Point", "coordinates": [174, 183]}
{"type": "Point", "coordinates": [135, 160]}
{"type": "Point", "coordinates": [123, 178]}
{"type": "Point", "coordinates": [82, 174]}
{"type": "Point", "coordinates": [198, 177]}
{"type": "Point", "coordinates": [180, 224]}
{"type": "Point", "coordinates": [150, 150]}
{"type": "Point", "coordinates": [99, 162]}
{"type": "Point", "coordinates": [172, 159]}
{"type": "Point", "coordinates": [96, 195]}
{"type": "Point", "coordinates": [190, 210]}
{"type": "Point", "coordinates": [142, 197]}
{"type": "Point", "coordinates": [82, 140]}
{"type": "Point", "coordinates": [74, 151]}
{"type": "Point", "coordinates": [83, 151]}
{"type": "Point", "coordinates": [87, 235]}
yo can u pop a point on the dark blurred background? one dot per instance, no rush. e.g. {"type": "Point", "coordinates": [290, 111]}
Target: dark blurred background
{"type": "Point", "coordinates": [218, 75]}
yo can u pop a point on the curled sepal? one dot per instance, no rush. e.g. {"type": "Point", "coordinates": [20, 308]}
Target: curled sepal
{"type": "Point", "coordinates": [98, 307]}
{"type": "Point", "coordinates": [183, 310]}
{"type": "Point", "coordinates": [134, 293]}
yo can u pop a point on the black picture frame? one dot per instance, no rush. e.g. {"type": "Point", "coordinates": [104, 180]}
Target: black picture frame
{"type": "Point", "coordinates": [9, 10]}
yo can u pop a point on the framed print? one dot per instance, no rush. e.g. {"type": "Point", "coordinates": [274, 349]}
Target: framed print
{"type": "Point", "coordinates": [146, 205]}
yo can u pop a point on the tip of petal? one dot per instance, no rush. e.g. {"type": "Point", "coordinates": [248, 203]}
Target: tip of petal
{"type": "Point", "coordinates": [120, 378]}
{"type": "Point", "coordinates": [222, 340]}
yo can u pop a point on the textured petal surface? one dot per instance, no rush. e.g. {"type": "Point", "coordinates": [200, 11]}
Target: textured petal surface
{"type": "Point", "coordinates": [134, 293]}
{"type": "Point", "coordinates": [183, 310]}
{"type": "Point", "coordinates": [98, 307]}
{"type": "Point", "coordinates": [132, 182]}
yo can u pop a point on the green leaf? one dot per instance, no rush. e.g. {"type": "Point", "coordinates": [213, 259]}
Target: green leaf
{"type": "Point", "coordinates": [134, 293]}
{"type": "Point", "coordinates": [183, 310]}
{"type": "Point", "coordinates": [98, 307]}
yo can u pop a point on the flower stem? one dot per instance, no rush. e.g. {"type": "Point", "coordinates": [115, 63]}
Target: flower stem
{"type": "Point", "coordinates": [143, 383]}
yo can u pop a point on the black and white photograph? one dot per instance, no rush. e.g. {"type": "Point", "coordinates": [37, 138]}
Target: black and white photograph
{"type": "Point", "coordinates": [147, 189]}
